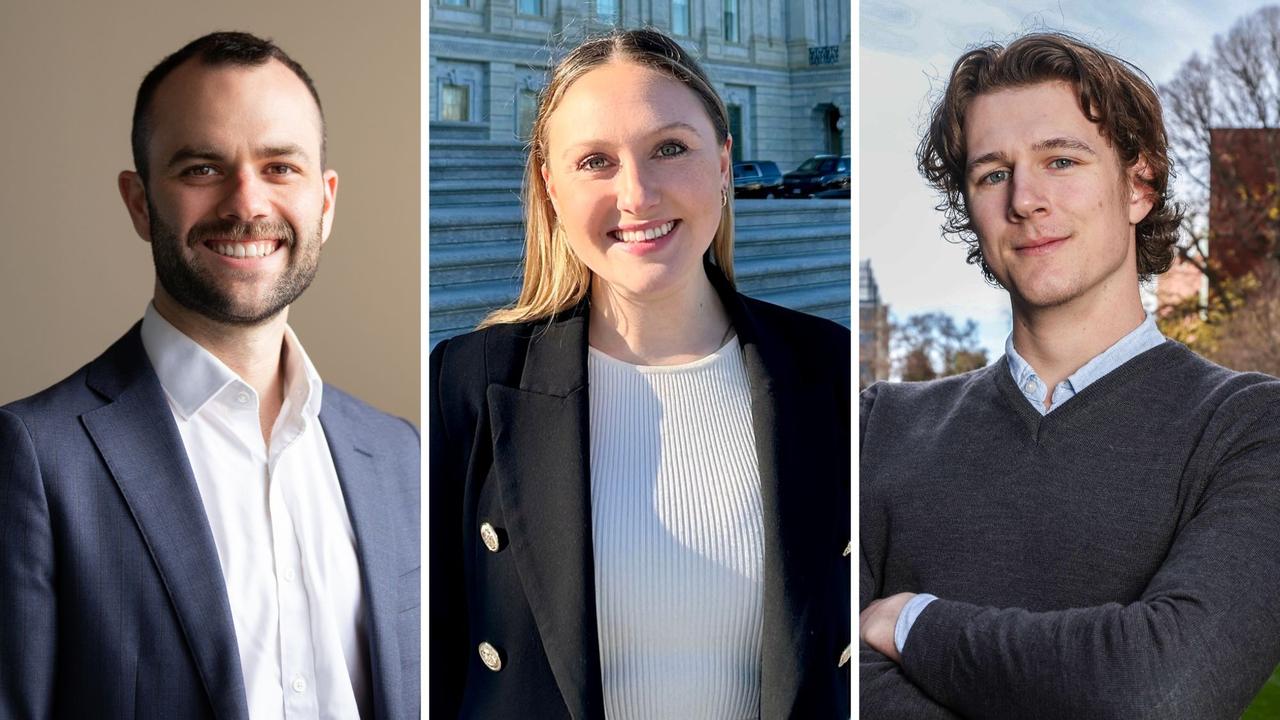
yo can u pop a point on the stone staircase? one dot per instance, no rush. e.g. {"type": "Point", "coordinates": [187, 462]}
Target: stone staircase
{"type": "Point", "coordinates": [794, 253]}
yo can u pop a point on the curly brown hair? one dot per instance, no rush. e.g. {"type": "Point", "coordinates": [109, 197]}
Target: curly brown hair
{"type": "Point", "coordinates": [1113, 93]}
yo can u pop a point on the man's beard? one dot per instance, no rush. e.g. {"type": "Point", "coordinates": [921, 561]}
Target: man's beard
{"type": "Point", "coordinates": [198, 290]}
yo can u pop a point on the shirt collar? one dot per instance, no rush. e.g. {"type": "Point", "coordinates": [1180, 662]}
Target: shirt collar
{"type": "Point", "coordinates": [192, 376]}
{"type": "Point", "coordinates": [1139, 340]}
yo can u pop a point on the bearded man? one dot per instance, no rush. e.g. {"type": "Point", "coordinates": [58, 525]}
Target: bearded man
{"type": "Point", "coordinates": [194, 525]}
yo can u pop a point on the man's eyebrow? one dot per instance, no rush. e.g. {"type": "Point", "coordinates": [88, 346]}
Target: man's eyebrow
{"type": "Point", "coordinates": [1054, 143]}
{"type": "Point", "coordinates": [188, 153]}
{"type": "Point", "coordinates": [1064, 143]}
{"type": "Point", "coordinates": [677, 125]}
{"type": "Point", "coordinates": [991, 157]}
{"type": "Point", "coordinates": [286, 150]}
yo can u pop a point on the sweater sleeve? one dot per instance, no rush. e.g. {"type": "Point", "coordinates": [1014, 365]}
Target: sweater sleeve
{"type": "Point", "coordinates": [884, 692]}
{"type": "Point", "coordinates": [1199, 642]}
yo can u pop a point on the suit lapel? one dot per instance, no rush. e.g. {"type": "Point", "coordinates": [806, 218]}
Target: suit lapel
{"type": "Point", "coordinates": [542, 467]}
{"type": "Point", "coordinates": [366, 491]}
{"type": "Point", "coordinates": [138, 440]}
{"type": "Point", "coordinates": [779, 424]}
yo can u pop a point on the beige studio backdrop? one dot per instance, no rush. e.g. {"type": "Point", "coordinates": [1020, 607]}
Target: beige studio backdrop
{"type": "Point", "coordinates": [74, 276]}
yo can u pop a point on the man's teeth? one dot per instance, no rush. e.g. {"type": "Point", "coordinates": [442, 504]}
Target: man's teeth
{"type": "Point", "coordinates": [632, 236]}
{"type": "Point", "coordinates": [240, 250]}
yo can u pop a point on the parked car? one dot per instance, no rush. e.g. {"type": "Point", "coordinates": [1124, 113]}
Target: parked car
{"type": "Point", "coordinates": [818, 173]}
{"type": "Point", "coordinates": [839, 193]}
{"type": "Point", "coordinates": [756, 178]}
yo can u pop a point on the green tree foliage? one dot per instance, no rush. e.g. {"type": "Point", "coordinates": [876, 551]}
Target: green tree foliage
{"type": "Point", "coordinates": [932, 345]}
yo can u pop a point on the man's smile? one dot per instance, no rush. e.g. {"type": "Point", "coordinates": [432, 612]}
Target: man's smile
{"type": "Point", "coordinates": [257, 249]}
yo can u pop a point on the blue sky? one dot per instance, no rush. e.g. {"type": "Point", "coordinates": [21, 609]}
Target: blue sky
{"type": "Point", "coordinates": [907, 48]}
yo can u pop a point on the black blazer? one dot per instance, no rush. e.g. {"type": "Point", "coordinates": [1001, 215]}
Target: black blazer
{"type": "Point", "coordinates": [509, 439]}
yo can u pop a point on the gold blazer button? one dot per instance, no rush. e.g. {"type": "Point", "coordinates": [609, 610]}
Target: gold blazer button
{"type": "Point", "coordinates": [490, 656]}
{"type": "Point", "coordinates": [489, 535]}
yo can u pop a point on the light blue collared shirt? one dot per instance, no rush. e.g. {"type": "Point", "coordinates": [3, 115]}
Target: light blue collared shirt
{"type": "Point", "coordinates": [1141, 339]}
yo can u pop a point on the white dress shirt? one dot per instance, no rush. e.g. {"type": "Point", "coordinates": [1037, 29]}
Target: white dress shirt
{"type": "Point", "coordinates": [280, 524]}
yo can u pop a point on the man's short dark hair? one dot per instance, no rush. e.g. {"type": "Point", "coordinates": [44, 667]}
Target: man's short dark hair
{"type": "Point", "coordinates": [214, 49]}
{"type": "Point", "coordinates": [1112, 93]}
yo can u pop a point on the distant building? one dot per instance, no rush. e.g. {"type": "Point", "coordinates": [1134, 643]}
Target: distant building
{"type": "Point", "coordinates": [1244, 210]}
{"type": "Point", "coordinates": [781, 67]}
{"type": "Point", "coordinates": [873, 329]}
{"type": "Point", "coordinates": [1244, 197]}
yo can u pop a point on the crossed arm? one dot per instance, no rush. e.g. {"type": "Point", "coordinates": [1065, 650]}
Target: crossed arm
{"type": "Point", "coordinates": [1198, 643]}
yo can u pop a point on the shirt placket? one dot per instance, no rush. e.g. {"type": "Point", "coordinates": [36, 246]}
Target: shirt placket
{"type": "Point", "coordinates": [297, 661]}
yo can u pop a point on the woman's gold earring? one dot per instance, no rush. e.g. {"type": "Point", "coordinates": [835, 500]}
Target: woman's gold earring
{"type": "Point", "coordinates": [724, 196]}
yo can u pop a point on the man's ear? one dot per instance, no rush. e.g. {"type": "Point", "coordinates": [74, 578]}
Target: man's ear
{"type": "Point", "coordinates": [134, 194]}
{"type": "Point", "coordinates": [1141, 197]}
{"type": "Point", "coordinates": [330, 199]}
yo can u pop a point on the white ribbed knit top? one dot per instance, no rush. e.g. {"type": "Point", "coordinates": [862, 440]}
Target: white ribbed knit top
{"type": "Point", "coordinates": [677, 537]}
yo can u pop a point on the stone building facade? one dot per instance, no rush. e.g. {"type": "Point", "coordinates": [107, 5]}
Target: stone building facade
{"type": "Point", "coordinates": [873, 329]}
{"type": "Point", "coordinates": [782, 66]}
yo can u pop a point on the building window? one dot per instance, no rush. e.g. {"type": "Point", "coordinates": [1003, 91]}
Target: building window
{"type": "Point", "coordinates": [680, 17]}
{"type": "Point", "coordinates": [731, 21]}
{"type": "Point", "coordinates": [455, 102]}
{"type": "Point", "coordinates": [607, 11]}
{"type": "Point", "coordinates": [735, 129]}
{"type": "Point", "coordinates": [530, 7]}
{"type": "Point", "coordinates": [457, 3]}
{"type": "Point", "coordinates": [526, 112]}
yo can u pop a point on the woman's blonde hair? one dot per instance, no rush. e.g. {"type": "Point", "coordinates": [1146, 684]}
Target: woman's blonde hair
{"type": "Point", "coordinates": [554, 278]}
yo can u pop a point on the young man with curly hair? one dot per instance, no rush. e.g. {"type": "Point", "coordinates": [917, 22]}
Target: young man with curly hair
{"type": "Point", "coordinates": [1089, 527]}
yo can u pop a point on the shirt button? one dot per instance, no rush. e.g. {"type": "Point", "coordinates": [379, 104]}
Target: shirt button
{"type": "Point", "coordinates": [289, 575]}
{"type": "Point", "coordinates": [1030, 386]}
{"type": "Point", "coordinates": [242, 398]}
{"type": "Point", "coordinates": [299, 684]}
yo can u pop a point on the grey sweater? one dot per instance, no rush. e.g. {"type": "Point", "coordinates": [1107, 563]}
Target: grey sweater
{"type": "Point", "coordinates": [1116, 558]}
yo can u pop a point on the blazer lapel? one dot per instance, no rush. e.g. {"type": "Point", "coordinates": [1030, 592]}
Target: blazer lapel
{"type": "Point", "coordinates": [778, 421]}
{"type": "Point", "coordinates": [542, 467]}
{"type": "Point", "coordinates": [365, 491]}
{"type": "Point", "coordinates": [138, 440]}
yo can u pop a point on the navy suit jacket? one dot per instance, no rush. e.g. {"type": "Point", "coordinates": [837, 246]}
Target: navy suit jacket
{"type": "Point", "coordinates": [111, 592]}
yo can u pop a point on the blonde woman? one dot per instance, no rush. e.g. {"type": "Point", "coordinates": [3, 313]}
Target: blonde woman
{"type": "Point", "coordinates": [639, 501]}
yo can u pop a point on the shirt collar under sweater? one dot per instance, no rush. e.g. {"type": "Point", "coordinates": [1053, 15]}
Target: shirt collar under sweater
{"type": "Point", "coordinates": [192, 376]}
{"type": "Point", "coordinates": [1139, 340]}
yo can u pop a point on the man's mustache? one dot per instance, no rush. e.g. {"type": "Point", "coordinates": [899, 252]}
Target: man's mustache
{"type": "Point", "coordinates": [239, 231]}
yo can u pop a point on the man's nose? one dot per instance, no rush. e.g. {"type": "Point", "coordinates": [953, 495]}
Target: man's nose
{"type": "Point", "coordinates": [246, 197]}
{"type": "Point", "coordinates": [1028, 195]}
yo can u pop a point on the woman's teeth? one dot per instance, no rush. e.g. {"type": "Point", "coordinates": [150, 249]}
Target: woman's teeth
{"type": "Point", "coordinates": [633, 236]}
{"type": "Point", "coordinates": [240, 250]}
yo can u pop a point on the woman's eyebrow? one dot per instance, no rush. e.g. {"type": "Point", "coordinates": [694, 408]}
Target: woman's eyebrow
{"type": "Point", "coordinates": [677, 125]}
